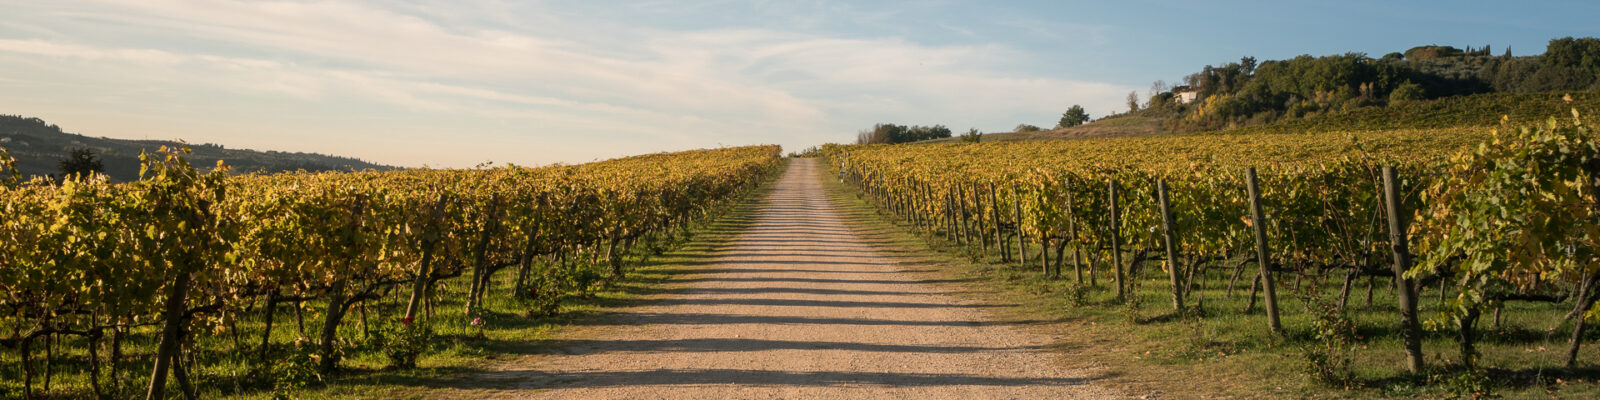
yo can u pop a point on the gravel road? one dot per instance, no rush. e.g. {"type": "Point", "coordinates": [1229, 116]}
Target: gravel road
{"type": "Point", "coordinates": [798, 306]}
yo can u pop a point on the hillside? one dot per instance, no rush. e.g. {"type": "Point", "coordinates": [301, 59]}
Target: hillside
{"type": "Point", "coordinates": [1479, 110]}
{"type": "Point", "coordinates": [1469, 111]}
{"type": "Point", "coordinates": [39, 147]}
{"type": "Point", "coordinates": [1425, 87]}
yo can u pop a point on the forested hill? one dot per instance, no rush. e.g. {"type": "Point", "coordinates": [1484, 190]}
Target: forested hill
{"type": "Point", "coordinates": [39, 148]}
{"type": "Point", "coordinates": [1424, 87]}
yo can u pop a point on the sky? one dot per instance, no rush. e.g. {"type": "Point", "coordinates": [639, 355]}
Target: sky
{"type": "Point", "coordinates": [460, 83]}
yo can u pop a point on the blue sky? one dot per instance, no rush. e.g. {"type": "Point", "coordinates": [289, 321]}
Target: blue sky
{"type": "Point", "coordinates": [437, 83]}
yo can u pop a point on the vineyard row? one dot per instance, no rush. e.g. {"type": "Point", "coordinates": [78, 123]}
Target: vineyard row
{"type": "Point", "coordinates": [181, 252]}
{"type": "Point", "coordinates": [1512, 219]}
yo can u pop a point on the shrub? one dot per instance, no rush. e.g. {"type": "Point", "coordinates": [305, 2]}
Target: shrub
{"type": "Point", "coordinates": [1329, 360]}
{"type": "Point", "coordinates": [296, 371]}
{"type": "Point", "coordinates": [403, 343]}
{"type": "Point", "coordinates": [809, 152]}
{"type": "Point", "coordinates": [1406, 92]}
{"type": "Point", "coordinates": [1078, 294]}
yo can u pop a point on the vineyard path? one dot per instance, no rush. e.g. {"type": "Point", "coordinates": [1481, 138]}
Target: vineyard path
{"type": "Point", "coordinates": [797, 306]}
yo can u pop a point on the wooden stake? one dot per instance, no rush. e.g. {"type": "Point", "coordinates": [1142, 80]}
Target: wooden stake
{"type": "Point", "coordinates": [1258, 220]}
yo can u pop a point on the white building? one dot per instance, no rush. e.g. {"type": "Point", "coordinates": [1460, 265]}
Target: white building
{"type": "Point", "coordinates": [1184, 94]}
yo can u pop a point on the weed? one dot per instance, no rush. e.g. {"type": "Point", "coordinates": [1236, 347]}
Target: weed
{"type": "Point", "coordinates": [402, 344]}
{"type": "Point", "coordinates": [1467, 384]}
{"type": "Point", "coordinates": [1078, 294]}
{"type": "Point", "coordinates": [1328, 360]}
{"type": "Point", "coordinates": [1132, 303]}
{"type": "Point", "coordinates": [296, 370]}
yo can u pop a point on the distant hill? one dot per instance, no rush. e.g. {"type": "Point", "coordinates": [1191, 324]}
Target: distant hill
{"type": "Point", "coordinates": [1120, 126]}
{"type": "Point", "coordinates": [1470, 111]}
{"type": "Point", "coordinates": [1426, 87]}
{"type": "Point", "coordinates": [39, 147]}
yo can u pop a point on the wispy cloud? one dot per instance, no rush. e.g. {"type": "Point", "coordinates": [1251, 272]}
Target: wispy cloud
{"type": "Point", "coordinates": [582, 87]}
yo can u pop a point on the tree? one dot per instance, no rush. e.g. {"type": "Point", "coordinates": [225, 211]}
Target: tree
{"type": "Point", "coordinates": [972, 136]}
{"type": "Point", "coordinates": [1073, 117]}
{"type": "Point", "coordinates": [1156, 88]}
{"type": "Point", "coordinates": [1433, 52]}
{"type": "Point", "coordinates": [82, 162]}
{"type": "Point", "coordinates": [1133, 101]}
{"type": "Point", "coordinates": [1579, 54]}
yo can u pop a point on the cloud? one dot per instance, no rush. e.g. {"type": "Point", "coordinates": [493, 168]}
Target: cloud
{"type": "Point", "coordinates": [503, 74]}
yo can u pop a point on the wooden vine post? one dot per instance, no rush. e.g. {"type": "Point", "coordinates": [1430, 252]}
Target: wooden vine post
{"type": "Point", "coordinates": [1116, 240]}
{"type": "Point", "coordinates": [979, 228]}
{"type": "Point", "coordinates": [1410, 328]}
{"type": "Point", "coordinates": [994, 216]}
{"type": "Point", "coordinates": [1258, 221]}
{"type": "Point", "coordinates": [951, 216]}
{"type": "Point", "coordinates": [1171, 244]}
{"type": "Point", "coordinates": [929, 199]}
{"type": "Point", "coordinates": [932, 200]}
{"type": "Point", "coordinates": [967, 224]}
{"type": "Point", "coordinates": [1072, 235]}
{"type": "Point", "coordinates": [1016, 210]}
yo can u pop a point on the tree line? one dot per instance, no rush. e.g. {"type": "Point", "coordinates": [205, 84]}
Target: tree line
{"type": "Point", "coordinates": [1254, 92]}
{"type": "Point", "coordinates": [892, 133]}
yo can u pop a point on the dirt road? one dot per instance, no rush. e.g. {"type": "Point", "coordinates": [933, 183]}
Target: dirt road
{"type": "Point", "coordinates": [799, 307]}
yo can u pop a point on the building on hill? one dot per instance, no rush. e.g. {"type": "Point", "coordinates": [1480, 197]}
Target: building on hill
{"type": "Point", "coordinates": [1184, 94]}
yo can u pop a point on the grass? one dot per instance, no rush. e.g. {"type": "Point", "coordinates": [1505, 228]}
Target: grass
{"type": "Point", "coordinates": [460, 351]}
{"type": "Point", "coordinates": [1223, 351]}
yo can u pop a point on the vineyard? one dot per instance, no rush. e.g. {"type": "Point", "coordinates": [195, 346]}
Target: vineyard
{"type": "Point", "coordinates": [1226, 226]}
{"type": "Point", "coordinates": [117, 288]}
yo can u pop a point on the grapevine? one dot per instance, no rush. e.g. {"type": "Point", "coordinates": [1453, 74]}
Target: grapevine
{"type": "Point", "coordinates": [1505, 216]}
{"type": "Point", "coordinates": [185, 250]}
